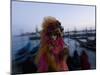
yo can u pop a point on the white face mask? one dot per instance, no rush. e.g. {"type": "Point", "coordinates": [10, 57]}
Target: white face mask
{"type": "Point", "coordinates": [54, 37]}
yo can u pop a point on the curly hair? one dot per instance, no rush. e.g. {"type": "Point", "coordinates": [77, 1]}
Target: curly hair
{"type": "Point", "coordinates": [50, 26]}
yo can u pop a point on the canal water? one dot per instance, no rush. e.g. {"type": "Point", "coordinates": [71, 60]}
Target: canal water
{"type": "Point", "coordinates": [20, 42]}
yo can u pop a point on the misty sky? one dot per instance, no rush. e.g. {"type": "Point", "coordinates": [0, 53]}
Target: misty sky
{"type": "Point", "coordinates": [26, 16]}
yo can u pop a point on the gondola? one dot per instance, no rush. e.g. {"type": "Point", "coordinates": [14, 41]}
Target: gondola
{"type": "Point", "coordinates": [24, 60]}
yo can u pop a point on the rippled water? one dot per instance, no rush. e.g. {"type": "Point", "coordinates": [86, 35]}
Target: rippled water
{"type": "Point", "coordinates": [20, 42]}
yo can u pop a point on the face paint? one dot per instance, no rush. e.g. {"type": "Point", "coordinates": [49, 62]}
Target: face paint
{"type": "Point", "coordinates": [54, 37]}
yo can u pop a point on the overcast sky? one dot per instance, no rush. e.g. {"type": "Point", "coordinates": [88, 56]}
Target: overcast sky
{"type": "Point", "coordinates": [26, 16]}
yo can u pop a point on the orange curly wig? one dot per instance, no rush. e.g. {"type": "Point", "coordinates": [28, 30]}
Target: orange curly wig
{"type": "Point", "coordinates": [51, 56]}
